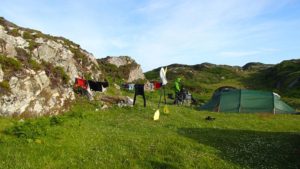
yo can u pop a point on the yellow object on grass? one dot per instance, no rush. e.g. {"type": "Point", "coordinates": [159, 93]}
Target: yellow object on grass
{"type": "Point", "coordinates": [156, 115]}
{"type": "Point", "coordinates": [166, 110]}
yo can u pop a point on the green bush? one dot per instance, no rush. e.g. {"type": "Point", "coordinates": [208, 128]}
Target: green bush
{"type": "Point", "coordinates": [27, 35]}
{"type": "Point", "coordinates": [87, 75]}
{"type": "Point", "coordinates": [14, 32]}
{"type": "Point", "coordinates": [4, 87]}
{"type": "Point", "coordinates": [60, 72]}
{"type": "Point", "coordinates": [56, 74]}
{"type": "Point", "coordinates": [56, 120]}
{"type": "Point", "coordinates": [34, 65]}
{"type": "Point", "coordinates": [10, 63]}
{"type": "Point", "coordinates": [79, 56]}
{"type": "Point", "coordinates": [76, 114]}
{"type": "Point", "coordinates": [32, 45]}
{"type": "Point", "coordinates": [28, 129]}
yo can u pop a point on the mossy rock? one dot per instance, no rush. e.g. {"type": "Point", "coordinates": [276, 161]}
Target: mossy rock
{"type": "Point", "coordinates": [4, 87]}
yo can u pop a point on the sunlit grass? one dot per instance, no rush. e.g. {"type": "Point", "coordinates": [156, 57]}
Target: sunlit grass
{"type": "Point", "coordinates": [129, 138]}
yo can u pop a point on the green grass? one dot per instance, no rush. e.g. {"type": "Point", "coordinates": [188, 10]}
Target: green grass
{"type": "Point", "coordinates": [129, 138]}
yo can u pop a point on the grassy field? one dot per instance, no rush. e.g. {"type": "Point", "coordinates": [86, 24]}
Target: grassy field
{"type": "Point", "coordinates": [128, 138]}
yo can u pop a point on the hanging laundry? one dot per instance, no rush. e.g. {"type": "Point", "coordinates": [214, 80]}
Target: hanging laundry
{"type": "Point", "coordinates": [130, 86]}
{"type": "Point", "coordinates": [163, 74]}
{"type": "Point", "coordinates": [104, 84]}
{"type": "Point", "coordinates": [157, 85]}
{"type": "Point", "coordinates": [80, 83]}
{"type": "Point", "coordinates": [95, 86]}
{"type": "Point", "coordinates": [81, 87]}
{"type": "Point", "coordinates": [139, 90]}
{"type": "Point", "coordinates": [98, 86]}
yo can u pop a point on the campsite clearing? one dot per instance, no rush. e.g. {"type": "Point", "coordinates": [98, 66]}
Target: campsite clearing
{"type": "Point", "coordinates": [129, 138]}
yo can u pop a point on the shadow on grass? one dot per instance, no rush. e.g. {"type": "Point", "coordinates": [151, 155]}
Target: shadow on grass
{"type": "Point", "coordinates": [162, 165]}
{"type": "Point", "coordinates": [250, 149]}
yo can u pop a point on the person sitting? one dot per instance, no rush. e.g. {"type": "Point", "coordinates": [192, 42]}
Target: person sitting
{"type": "Point", "coordinates": [177, 90]}
{"type": "Point", "coordinates": [182, 94]}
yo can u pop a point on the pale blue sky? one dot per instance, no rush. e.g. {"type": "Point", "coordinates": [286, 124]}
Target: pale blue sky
{"type": "Point", "coordinates": [162, 32]}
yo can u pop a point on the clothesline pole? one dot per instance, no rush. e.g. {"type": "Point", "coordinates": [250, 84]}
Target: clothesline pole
{"type": "Point", "coordinates": [164, 94]}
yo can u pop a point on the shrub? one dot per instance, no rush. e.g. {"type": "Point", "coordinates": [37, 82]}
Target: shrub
{"type": "Point", "coordinates": [14, 32]}
{"type": "Point", "coordinates": [4, 87]}
{"type": "Point", "coordinates": [68, 42]}
{"type": "Point", "coordinates": [77, 114]}
{"type": "Point", "coordinates": [27, 35]}
{"type": "Point", "coordinates": [28, 129]}
{"type": "Point", "coordinates": [34, 64]}
{"type": "Point", "coordinates": [79, 56]}
{"type": "Point", "coordinates": [60, 72]}
{"type": "Point", "coordinates": [56, 120]}
{"type": "Point", "coordinates": [87, 75]}
{"type": "Point", "coordinates": [32, 45]}
{"type": "Point", "coordinates": [10, 63]}
{"type": "Point", "coordinates": [56, 74]}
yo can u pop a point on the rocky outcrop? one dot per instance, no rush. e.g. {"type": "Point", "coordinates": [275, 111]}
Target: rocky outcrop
{"type": "Point", "coordinates": [119, 61]}
{"type": "Point", "coordinates": [37, 71]}
{"type": "Point", "coordinates": [122, 67]}
{"type": "Point", "coordinates": [1, 74]}
{"type": "Point", "coordinates": [283, 76]}
{"type": "Point", "coordinates": [135, 74]}
{"type": "Point", "coordinates": [45, 69]}
{"type": "Point", "coordinates": [256, 66]}
{"type": "Point", "coordinates": [34, 95]}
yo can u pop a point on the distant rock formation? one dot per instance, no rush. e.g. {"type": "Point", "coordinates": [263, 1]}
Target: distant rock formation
{"type": "Point", "coordinates": [119, 60]}
{"type": "Point", "coordinates": [123, 67]}
{"type": "Point", "coordinates": [256, 66]}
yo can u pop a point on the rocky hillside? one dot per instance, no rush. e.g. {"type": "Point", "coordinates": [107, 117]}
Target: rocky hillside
{"type": "Point", "coordinates": [255, 66]}
{"type": "Point", "coordinates": [283, 77]}
{"type": "Point", "coordinates": [37, 71]}
{"type": "Point", "coordinates": [122, 68]}
{"type": "Point", "coordinates": [205, 73]}
{"type": "Point", "coordinates": [203, 79]}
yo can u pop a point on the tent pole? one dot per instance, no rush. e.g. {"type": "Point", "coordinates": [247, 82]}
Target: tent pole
{"type": "Point", "coordinates": [273, 103]}
{"type": "Point", "coordinates": [240, 101]}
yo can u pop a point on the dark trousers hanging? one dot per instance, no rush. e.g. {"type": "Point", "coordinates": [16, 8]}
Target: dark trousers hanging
{"type": "Point", "coordinates": [139, 90]}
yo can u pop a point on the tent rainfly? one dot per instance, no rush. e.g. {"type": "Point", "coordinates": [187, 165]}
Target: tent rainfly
{"type": "Point", "coordinates": [228, 99]}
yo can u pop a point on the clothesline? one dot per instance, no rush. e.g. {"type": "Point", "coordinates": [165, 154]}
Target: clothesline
{"type": "Point", "coordinates": [90, 84]}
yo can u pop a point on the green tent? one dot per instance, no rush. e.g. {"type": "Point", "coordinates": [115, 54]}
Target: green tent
{"type": "Point", "coordinates": [228, 99]}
